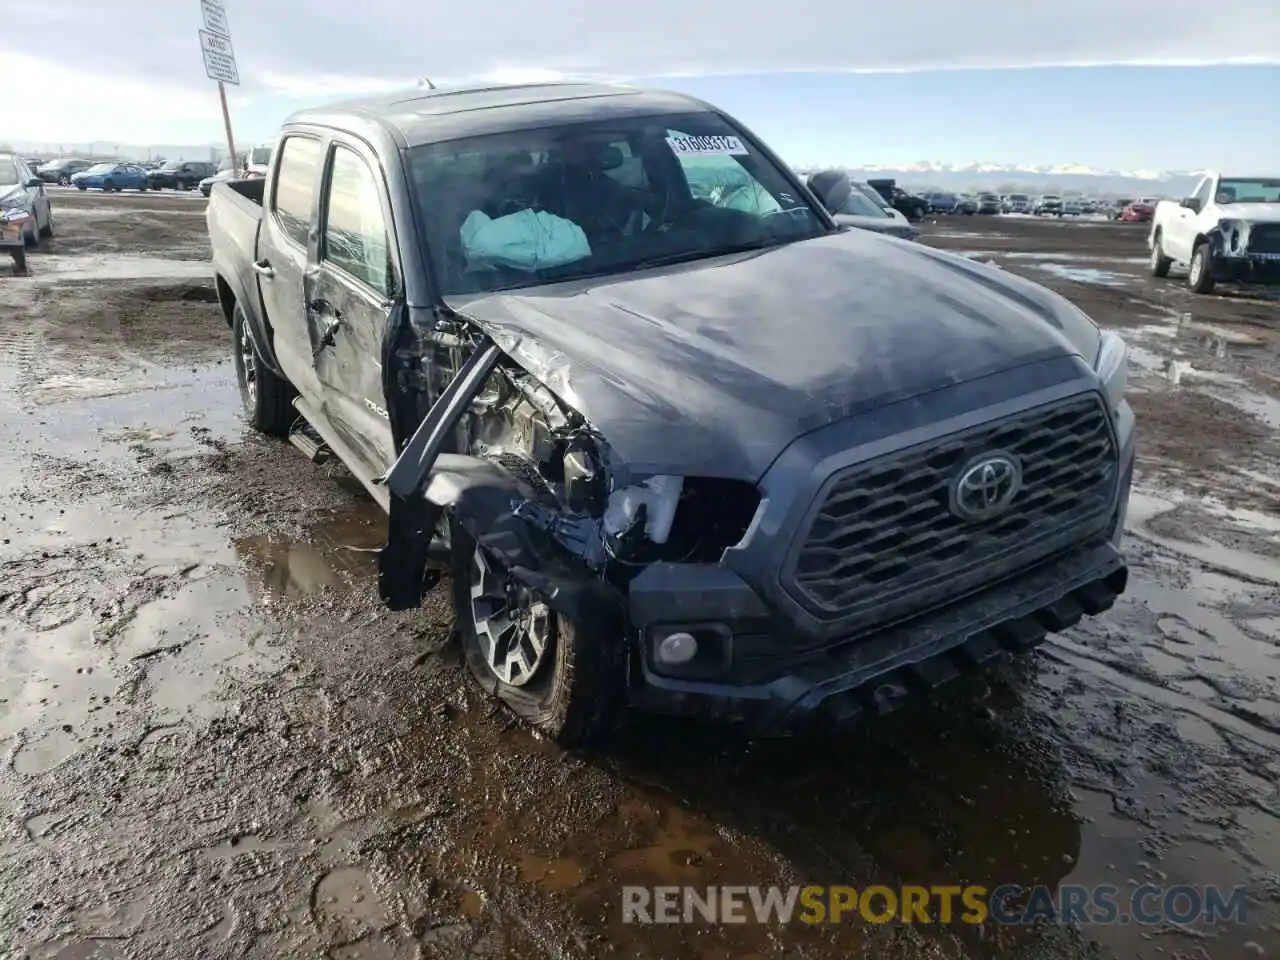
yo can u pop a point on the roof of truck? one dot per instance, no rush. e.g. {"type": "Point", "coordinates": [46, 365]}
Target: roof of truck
{"type": "Point", "coordinates": [430, 116]}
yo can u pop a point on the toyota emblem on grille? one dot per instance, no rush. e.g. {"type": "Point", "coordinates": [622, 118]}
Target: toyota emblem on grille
{"type": "Point", "coordinates": [986, 486]}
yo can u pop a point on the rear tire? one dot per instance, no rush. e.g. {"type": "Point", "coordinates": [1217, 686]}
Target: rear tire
{"type": "Point", "coordinates": [1160, 264]}
{"type": "Point", "coordinates": [1200, 272]}
{"type": "Point", "coordinates": [64, 180]}
{"type": "Point", "coordinates": [572, 691]}
{"type": "Point", "coordinates": [267, 398]}
{"type": "Point", "coordinates": [107, 186]}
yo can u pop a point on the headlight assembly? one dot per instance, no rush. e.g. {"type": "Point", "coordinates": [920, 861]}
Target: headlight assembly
{"type": "Point", "coordinates": [1113, 368]}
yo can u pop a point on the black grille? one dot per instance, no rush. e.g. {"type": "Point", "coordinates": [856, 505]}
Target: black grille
{"type": "Point", "coordinates": [886, 526]}
{"type": "Point", "coordinates": [1264, 238]}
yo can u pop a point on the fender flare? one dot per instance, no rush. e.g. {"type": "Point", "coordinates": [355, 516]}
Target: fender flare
{"type": "Point", "coordinates": [230, 292]}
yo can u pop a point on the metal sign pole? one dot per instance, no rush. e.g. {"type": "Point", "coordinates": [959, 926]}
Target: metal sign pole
{"type": "Point", "coordinates": [226, 123]}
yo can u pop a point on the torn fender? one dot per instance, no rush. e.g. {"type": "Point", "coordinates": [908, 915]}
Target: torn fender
{"type": "Point", "coordinates": [487, 502]}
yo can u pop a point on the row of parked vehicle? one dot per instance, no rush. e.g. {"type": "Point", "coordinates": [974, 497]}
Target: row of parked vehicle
{"type": "Point", "coordinates": [117, 175]}
{"type": "Point", "coordinates": [1045, 205]}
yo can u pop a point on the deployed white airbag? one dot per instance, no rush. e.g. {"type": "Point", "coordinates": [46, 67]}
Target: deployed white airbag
{"type": "Point", "coordinates": [527, 240]}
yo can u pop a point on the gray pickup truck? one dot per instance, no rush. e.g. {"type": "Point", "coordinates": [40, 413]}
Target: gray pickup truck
{"type": "Point", "coordinates": [677, 450]}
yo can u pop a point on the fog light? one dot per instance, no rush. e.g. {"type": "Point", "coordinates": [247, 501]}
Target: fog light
{"type": "Point", "coordinates": [676, 648]}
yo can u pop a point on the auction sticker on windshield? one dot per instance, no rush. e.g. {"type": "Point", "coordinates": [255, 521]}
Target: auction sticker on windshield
{"type": "Point", "coordinates": [715, 146]}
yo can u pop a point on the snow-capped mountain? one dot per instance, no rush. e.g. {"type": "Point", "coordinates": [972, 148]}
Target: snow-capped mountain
{"type": "Point", "coordinates": [1012, 177]}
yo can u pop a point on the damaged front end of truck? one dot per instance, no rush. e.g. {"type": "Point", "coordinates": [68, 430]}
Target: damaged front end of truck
{"type": "Point", "coordinates": [1245, 251]}
{"type": "Point", "coordinates": [489, 452]}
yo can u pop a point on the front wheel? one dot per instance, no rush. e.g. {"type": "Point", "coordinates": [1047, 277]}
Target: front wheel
{"type": "Point", "coordinates": [267, 398]}
{"type": "Point", "coordinates": [64, 181]}
{"type": "Point", "coordinates": [1160, 264]}
{"type": "Point", "coordinates": [1200, 272]}
{"type": "Point", "coordinates": [543, 665]}
{"type": "Point", "coordinates": [19, 260]}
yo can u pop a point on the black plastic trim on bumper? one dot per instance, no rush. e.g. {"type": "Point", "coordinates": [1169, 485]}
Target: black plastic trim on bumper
{"type": "Point", "coordinates": [876, 672]}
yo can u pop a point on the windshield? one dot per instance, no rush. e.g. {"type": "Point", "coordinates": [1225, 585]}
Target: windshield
{"type": "Point", "coordinates": [538, 206]}
{"type": "Point", "coordinates": [8, 173]}
{"type": "Point", "coordinates": [1249, 191]}
{"type": "Point", "coordinates": [859, 205]}
{"type": "Point", "coordinates": [172, 165]}
{"type": "Point", "coordinates": [872, 194]}
{"type": "Point", "coordinates": [1018, 197]}
{"type": "Point", "coordinates": [259, 156]}
{"type": "Point", "coordinates": [102, 168]}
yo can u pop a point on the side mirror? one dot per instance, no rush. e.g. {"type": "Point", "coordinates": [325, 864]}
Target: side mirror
{"type": "Point", "coordinates": [832, 189]}
{"type": "Point", "coordinates": [34, 182]}
{"type": "Point", "coordinates": [1191, 203]}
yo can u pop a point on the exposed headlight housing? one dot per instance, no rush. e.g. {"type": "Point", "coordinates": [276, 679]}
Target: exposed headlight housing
{"type": "Point", "coordinates": [1113, 368]}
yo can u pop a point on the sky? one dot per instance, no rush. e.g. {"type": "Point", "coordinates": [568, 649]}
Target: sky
{"type": "Point", "coordinates": [1112, 84]}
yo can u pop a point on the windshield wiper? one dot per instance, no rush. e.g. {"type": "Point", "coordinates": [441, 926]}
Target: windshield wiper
{"type": "Point", "coordinates": [706, 253]}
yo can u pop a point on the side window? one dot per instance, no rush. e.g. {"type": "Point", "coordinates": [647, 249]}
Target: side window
{"type": "Point", "coordinates": [296, 186]}
{"type": "Point", "coordinates": [715, 175]}
{"type": "Point", "coordinates": [355, 234]}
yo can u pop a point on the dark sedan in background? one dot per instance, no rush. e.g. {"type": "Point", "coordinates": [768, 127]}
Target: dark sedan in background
{"type": "Point", "coordinates": [61, 171]}
{"type": "Point", "coordinates": [180, 174]}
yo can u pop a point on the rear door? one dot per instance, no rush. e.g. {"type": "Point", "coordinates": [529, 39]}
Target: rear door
{"type": "Point", "coordinates": [350, 291]}
{"type": "Point", "coordinates": [285, 241]}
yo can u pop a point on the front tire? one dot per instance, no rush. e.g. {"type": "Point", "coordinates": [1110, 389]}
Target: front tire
{"type": "Point", "coordinates": [1160, 264]}
{"type": "Point", "coordinates": [64, 181]}
{"type": "Point", "coordinates": [543, 665]}
{"type": "Point", "coordinates": [19, 260]}
{"type": "Point", "coordinates": [47, 229]}
{"type": "Point", "coordinates": [1200, 272]}
{"type": "Point", "coordinates": [267, 398]}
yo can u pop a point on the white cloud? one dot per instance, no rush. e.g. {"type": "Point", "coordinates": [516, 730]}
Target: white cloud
{"type": "Point", "coordinates": [140, 75]}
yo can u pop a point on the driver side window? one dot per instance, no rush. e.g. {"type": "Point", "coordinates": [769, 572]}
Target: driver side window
{"type": "Point", "coordinates": [715, 175]}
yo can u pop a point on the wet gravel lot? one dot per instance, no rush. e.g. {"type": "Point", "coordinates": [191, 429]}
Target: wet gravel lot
{"type": "Point", "coordinates": [216, 743]}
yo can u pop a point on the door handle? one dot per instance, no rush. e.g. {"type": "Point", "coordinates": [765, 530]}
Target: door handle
{"type": "Point", "coordinates": [264, 269]}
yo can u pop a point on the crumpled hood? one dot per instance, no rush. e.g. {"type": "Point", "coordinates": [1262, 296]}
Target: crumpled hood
{"type": "Point", "coordinates": [1251, 212]}
{"type": "Point", "coordinates": [712, 368]}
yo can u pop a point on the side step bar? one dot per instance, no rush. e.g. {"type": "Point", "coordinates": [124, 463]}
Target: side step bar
{"type": "Point", "coordinates": [316, 450]}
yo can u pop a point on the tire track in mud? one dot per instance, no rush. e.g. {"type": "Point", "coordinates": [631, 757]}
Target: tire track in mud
{"type": "Point", "coordinates": [22, 336]}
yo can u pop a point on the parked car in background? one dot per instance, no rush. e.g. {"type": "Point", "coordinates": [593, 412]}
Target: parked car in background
{"type": "Point", "coordinates": [1117, 207]}
{"type": "Point", "coordinates": [1072, 207]}
{"type": "Point", "coordinates": [941, 202]}
{"type": "Point", "coordinates": [988, 203]}
{"type": "Point", "coordinates": [228, 173]}
{"type": "Point", "coordinates": [908, 204]}
{"type": "Point", "coordinates": [1227, 229]}
{"type": "Point", "coordinates": [856, 209]}
{"type": "Point", "coordinates": [1017, 203]}
{"type": "Point", "coordinates": [877, 199]}
{"type": "Point", "coordinates": [61, 171]}
{"type": "Point", "coordinates": [745, 465]}
{"type": "Point", "coordinates": [966, 204]}
{"type": "Point", "coordinates": [1138, 212]}
{"type": "Point", "coordinates": [180, 174]}
{"type": "Point", "coordinates": [1048, 205]}
{"type": "Point", "coordinates": [111, 176]}
{"type": "Point", "coordinates": [26, 216]}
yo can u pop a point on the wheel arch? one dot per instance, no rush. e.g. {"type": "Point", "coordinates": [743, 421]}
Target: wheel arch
{"type": "Point", "coordinates": [230, 294]}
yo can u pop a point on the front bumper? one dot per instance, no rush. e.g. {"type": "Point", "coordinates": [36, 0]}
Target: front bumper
{"type": "Point", "coordinates": [11, 234]}
{"type": "Point", "coordinates": [1249, 268]}
{"type": "Point", "coordinates": [762, 662]}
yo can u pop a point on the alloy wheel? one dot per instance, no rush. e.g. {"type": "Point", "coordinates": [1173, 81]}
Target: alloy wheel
{"type": "Point", "coordinates": [514, 638]}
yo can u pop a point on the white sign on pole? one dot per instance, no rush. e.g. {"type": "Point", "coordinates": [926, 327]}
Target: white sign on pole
{"type": "Point", "coordinates": [215, 17]}
{"type": "Point", "coordinates": [219, 58]}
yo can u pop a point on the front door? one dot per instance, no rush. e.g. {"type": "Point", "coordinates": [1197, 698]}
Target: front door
{"type": "Point", "coordinates": [350, 291]}
{"type": "Point", "coordinates": [283, 244]}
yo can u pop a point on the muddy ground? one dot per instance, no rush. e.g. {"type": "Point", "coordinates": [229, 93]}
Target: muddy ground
{"type": "Point", "coordinates": [216, 743]}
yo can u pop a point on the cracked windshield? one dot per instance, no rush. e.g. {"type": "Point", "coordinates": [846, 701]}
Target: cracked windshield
{"type": "Point", "coordinates": [562, 483]}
